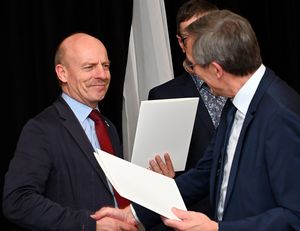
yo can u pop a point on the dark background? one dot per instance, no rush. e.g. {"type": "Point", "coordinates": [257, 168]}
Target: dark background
{"type": "Point", "coordinates": [31, 30]}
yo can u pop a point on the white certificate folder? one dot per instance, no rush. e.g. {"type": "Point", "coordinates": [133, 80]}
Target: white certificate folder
{"type": "Point", "coordinates": [140, 185]}
{"type": "Point", "coordinates": [164, 126]}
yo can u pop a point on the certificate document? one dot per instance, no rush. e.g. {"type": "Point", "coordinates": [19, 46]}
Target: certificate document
{"type": "Point", "coordinates": [152, 190]}
{"type": "Point", "coordinates": [164, 126]}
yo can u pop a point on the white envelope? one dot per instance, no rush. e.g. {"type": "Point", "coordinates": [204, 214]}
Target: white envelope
{"type": "Point", "coordinates": [164, 126]}
{"type": "Point", "coordinates": [140, 185]}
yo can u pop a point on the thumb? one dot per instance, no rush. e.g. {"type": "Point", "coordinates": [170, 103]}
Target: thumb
{"type": "Point", "coordinates": [181, 214]}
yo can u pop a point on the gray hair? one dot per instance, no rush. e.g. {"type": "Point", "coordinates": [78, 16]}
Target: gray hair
{"type": "Point", "coordinates": [228, 39]}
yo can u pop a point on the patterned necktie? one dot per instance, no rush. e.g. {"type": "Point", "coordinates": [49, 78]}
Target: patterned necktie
{"type": "Point", "coordinates": [105, 143]}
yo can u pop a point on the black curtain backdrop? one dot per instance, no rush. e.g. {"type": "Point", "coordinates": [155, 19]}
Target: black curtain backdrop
{"type": "Point", "coordinates": [31, 30]}
{"type": "Point", "coordinates": [276, 24]}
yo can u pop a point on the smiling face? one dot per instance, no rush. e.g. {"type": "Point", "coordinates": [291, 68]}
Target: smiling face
{"type": "Point", "coordinates": [84, 69]}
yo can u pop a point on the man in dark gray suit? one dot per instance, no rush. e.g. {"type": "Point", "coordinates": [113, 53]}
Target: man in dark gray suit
{"type": "Point", "coordinates": [54, 181]}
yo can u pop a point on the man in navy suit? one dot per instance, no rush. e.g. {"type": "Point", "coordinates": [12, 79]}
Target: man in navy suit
{"type": "Point", "coordinates": [252, 180]}
{"type": "Point", "coordinates": [54, 181]}
{"type": "Point", "coordinates": [187, 85]}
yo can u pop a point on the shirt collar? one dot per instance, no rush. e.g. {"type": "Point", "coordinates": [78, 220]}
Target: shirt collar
{"type": "Point", "coordinates": [244, 96]}
{"type": "Point", "coordinates": [80, 110]}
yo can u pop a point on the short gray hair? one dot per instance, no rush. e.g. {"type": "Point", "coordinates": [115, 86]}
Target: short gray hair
{"type": "Point", "coordinates": [228, 39]}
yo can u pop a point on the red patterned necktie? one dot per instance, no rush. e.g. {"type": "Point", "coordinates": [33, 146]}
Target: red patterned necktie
{"type": "Point", "coordinates": [105, 143]}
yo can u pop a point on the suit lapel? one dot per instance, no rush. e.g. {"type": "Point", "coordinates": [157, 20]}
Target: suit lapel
{"type": "Point", "coordinates": [76, 131]}
{"type": "Point", "coordinates": [237, 155]}
{"type": "Point", "coordinates": [216, 171]}
{"type": "Point", "coordinates": [262, 87]}
{"type": "Point", "coordinates": [114, 140]}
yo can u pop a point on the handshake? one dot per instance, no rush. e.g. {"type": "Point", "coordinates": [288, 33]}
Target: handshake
{"type": "Point", "coordinates": [108, 218]}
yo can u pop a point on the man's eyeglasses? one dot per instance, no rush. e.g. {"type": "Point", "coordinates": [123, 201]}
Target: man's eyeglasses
{"type": "Point", "coordinates": [188, 66]}
{"type": "Point", "coordinates": [182, 38]}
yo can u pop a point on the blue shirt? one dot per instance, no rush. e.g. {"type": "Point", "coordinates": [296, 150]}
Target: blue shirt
{"type": "Point", "coordinates": [82, 112]}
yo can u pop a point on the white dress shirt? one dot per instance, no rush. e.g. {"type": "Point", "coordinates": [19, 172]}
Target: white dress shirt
{"type": "Point", "coordinates": [241, 101]}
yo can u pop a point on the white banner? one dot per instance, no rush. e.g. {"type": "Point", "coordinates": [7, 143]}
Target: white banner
{"type": "Point", "coordinates": [149, 62]}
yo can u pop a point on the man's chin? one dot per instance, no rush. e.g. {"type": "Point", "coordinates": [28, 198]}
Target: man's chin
{"type": "Point", "coordinates": [101, 96]}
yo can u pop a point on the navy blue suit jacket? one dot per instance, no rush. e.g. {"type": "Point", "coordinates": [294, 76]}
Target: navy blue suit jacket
{"type": "Point", "coordinates": [263, 189]}
{"type": "Point", "coordinates": [54, 181]}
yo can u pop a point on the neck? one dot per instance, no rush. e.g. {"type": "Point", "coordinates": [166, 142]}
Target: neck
{"type": "Point", "coordinates": [235, 83]}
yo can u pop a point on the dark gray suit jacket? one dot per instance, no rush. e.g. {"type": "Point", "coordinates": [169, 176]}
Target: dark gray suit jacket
{"type": "Point", "coordinates": [54, 181]}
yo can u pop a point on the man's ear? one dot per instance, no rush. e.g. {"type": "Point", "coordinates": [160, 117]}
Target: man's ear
{"type": "Point", "coordinates": [61, 73]}
{"type": "Point", "coordinates": [180, 42]}
{"type": "Point", "coordinates": [217, 69]}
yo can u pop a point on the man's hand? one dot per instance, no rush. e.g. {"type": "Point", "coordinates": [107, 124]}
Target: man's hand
{"type": "Point", "coordinates": [124, 215]}
{"type": "Point", "coordinates": [162, 167]}
{"type": "Point", "coordinates": [111, 224]}
{"type": "Point", "coordinates": [191, 221]}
